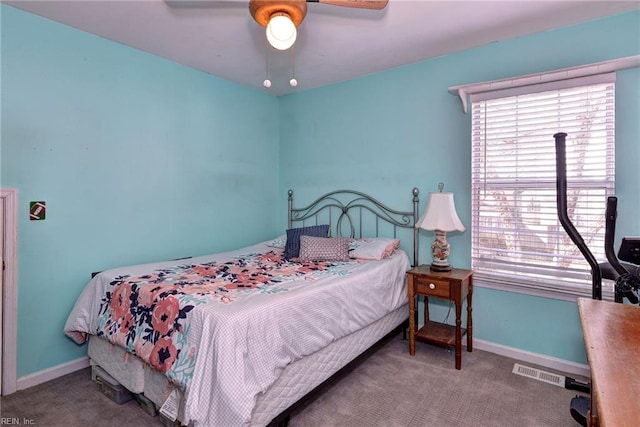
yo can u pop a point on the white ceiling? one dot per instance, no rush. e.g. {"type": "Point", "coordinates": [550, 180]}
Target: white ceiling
{"type": "Point", "coordinates": [334, 43]}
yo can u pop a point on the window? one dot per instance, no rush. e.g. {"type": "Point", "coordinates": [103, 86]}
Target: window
{"type": "Point", "coordinates": [517, 239]}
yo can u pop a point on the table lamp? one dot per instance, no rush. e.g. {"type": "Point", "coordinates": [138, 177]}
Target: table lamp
{"type": "Point", "coordinates": [440, 217]}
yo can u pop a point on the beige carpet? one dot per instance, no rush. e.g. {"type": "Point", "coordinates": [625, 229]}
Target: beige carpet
{"type": "Point", "coordinates": [394, 389]}
{"type": "Point", "coordinates": [389, 389]}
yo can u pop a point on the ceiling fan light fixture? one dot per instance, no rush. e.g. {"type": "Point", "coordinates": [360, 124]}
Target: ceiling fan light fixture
{"type": "Point", "coordinates": [281, 31]}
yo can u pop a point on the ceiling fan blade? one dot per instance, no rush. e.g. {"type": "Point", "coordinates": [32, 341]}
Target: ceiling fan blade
{"type": "Point", "coordinates": [205, 4]}
{"type": "Point", "coordinates": [359, 4]}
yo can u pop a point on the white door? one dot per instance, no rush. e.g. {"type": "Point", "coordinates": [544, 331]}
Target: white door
{"type": "Point", "coordinates": [8, 290]}
{"type": "Point", "coordinates": [1, 281]}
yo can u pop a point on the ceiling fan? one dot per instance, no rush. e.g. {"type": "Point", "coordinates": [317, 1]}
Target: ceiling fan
{"type": "Point", "coordinates": [281, 17]}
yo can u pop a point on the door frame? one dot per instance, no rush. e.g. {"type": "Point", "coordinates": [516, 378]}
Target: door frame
{"type": "Point", "coordinates": [10, 297]}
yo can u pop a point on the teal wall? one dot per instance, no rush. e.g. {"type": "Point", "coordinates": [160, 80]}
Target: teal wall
{"type": "Point", "coordinates": [141, 159]}
{"type": "Point", "coordinates": [391, 131]}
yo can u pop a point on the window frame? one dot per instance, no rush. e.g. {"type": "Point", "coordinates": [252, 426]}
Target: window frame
{"type": "Point", "coordinates": [566, 291]}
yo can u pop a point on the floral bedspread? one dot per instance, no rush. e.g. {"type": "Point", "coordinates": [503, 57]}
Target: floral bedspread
{"type": "Point", "coordinates": [223, 327]}
{"type": "Point", "coordinates": [149, 314]}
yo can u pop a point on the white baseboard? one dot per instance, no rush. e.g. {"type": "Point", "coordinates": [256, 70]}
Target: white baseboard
{"type": "Point", "coordinates": [52, 373]}
{"type": "Point", "coordinates": [560, 365]}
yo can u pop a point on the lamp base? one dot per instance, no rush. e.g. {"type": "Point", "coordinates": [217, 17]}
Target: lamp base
{"type": "Point", "coordinates": [440, 249]}
{"type": "Point", "coordinates": [436, 267]}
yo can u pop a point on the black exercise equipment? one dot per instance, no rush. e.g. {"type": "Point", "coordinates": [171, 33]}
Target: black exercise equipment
{"type": "Point", "coordinates": [627, 284]}
{"type": "Point", "coordinates": [561, 199]}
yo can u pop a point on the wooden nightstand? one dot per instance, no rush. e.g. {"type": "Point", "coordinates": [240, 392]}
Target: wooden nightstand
{"type": "Point", "coordinates": [452, 285]}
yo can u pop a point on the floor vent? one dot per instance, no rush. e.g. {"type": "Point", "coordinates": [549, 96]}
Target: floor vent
{"type": "Point", "coordinates": [539, 375]}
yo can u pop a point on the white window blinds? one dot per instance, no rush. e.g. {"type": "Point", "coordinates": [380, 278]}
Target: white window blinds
{"type": "Point", "coordinates": [517, 239]}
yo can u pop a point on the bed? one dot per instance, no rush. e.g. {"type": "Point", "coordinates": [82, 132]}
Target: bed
{"type": "Point", "coordinates": [241, 337]}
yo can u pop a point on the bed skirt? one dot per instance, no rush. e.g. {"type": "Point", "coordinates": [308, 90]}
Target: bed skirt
{"type": "Point", "coordinates": [296, 381]}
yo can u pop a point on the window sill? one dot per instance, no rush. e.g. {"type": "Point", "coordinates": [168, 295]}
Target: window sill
{"type": "Point", "coordinates": [564, 294]}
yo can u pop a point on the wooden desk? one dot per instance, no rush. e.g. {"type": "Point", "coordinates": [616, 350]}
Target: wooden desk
{"type": "Point", "coordinates": [612, 338]}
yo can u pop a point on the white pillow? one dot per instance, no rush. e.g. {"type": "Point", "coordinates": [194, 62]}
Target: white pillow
{"type": "Point", "coordinates": [278, 242]}
{"type": "Point", "coordinates": [375, 248]}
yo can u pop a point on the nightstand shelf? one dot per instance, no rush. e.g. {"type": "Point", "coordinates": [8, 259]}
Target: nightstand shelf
{"type": "Point", "coordinates": [439, 333]}
{"type": "Point", "coordinates": [455, 286]}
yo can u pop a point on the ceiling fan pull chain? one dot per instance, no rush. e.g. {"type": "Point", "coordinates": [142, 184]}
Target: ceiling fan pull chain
{"type": "Point", "coordinates": [293, 82]}
{"type": "Point", "coordinates": [266, 83]}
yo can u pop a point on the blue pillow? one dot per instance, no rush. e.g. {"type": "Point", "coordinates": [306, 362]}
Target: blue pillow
{"type": "Point", "coordinates": [292, 248]}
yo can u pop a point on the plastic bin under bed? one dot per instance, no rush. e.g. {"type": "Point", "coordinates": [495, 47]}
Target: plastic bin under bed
{"type": "Point", "coordinates": [109, 386]}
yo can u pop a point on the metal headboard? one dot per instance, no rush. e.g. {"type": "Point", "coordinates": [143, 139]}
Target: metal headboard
{"type": "Point", "coordinates": [354, 212]}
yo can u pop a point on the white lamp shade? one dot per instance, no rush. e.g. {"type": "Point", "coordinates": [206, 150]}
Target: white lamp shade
{"type": "Point", "coordinates": [440, 214]}
{"type": "Point", "coordinates": [281, 31]}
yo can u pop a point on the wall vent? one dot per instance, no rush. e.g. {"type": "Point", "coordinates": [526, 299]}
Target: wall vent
{"type": "Point", "coordinates": [539, 375]}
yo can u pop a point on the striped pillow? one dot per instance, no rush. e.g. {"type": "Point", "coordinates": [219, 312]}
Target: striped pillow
{"type": "Point", "coordinates": [324, 249]}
